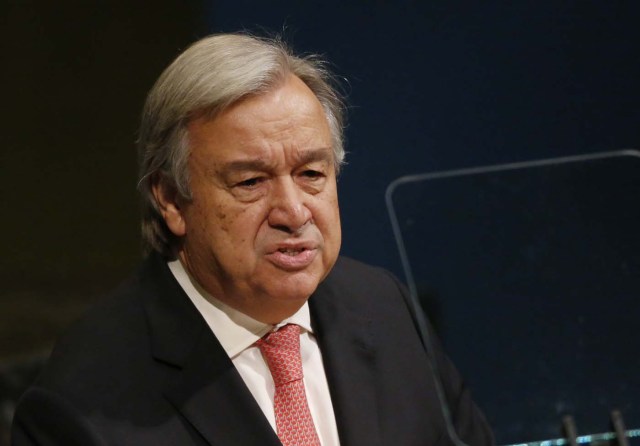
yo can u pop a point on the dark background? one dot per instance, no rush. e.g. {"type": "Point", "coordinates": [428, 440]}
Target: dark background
{"type": "Point", "coordinates": [431, 85]}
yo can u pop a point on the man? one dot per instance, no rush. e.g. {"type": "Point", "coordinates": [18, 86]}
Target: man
{"type": "Point", "coordinates": [240, 146]}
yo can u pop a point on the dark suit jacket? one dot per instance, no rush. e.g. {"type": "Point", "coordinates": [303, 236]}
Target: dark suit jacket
{"type": "Point", "coordinates": [143, 368]}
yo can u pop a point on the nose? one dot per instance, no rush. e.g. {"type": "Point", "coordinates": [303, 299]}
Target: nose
{"type": "Point", "coordinates": [288, 211]}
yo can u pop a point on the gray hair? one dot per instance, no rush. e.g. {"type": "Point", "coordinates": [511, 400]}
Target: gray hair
{"type": "Point", "coordinates": [208, 77]}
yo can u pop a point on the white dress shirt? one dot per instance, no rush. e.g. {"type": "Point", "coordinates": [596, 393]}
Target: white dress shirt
{"type": "Point", "coordinates": [238, 333]}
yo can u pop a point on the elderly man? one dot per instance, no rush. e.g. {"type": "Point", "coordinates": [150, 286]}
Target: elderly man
{"type": "Point", "coordinates": [243, 326]}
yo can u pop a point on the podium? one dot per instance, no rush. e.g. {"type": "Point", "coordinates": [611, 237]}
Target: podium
{"type": "Point", "coordinates": [530, 273]}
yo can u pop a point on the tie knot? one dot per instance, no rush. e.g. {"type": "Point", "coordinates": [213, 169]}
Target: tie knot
{"type": "Point", "coordinates": [281, 349]}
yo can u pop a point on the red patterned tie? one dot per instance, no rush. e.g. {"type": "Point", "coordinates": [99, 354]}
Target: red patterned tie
{"type": "Point", "coordinates": [293, 419]}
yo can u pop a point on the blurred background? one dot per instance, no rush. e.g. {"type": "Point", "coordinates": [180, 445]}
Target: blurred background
{"type": "Point", "coordinates": [431, 85]}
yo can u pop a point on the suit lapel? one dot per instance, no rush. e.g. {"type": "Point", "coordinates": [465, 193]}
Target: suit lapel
{"type": "Point", "coordinates": [344, 337]}
{"type": "Point", "coordinates": [212, 396]}
{"type": "Point", "coordinates": [203, 386]}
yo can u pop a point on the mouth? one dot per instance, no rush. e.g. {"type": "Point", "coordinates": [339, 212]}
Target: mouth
{"type": "Point", "coordinates": [291, 251]}
{"type": "Point", "coordinates": [293, 258]}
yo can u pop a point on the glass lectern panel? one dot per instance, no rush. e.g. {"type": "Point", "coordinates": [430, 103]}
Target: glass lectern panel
{"type": "Point", "coordinates": [530, 273]}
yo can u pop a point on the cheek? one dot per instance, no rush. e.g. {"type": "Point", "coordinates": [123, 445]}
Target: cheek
{"type": "Point", "coordinates": [210, 222]}
{"type": "Point", "coordinates": [330, 206]}
{"type": "Point", "coordinates": [327, 217]}
{"type": "Point", "coordinates": [237, 225]}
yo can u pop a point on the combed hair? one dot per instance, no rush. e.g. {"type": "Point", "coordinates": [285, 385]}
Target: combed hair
{"type": "Point", "coordinates": [208, 77]}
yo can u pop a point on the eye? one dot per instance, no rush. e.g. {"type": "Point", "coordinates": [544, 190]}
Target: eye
{"type": "Point", "coordinates": [312, 174]}
{"type": "Point", "coordinates": [250, 183]}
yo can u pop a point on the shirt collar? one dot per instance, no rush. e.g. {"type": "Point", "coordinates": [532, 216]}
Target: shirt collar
{"type": "Point", "coordinates": [235, 330]}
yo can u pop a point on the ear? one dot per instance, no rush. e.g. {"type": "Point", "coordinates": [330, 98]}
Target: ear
{"type": "Point", "coordinates": [167, 199]}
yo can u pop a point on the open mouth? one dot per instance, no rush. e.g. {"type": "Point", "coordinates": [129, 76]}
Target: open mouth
{"type": "Point", "coordinates": [293, 258]}
{"type": "Point", "coordinates": [291, 251]}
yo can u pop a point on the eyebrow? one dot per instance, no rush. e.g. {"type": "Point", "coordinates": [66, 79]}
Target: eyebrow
{"type": "Point", "coordinates": [313, 155]}
{"type": "Point", "coordinates": [324, 154]}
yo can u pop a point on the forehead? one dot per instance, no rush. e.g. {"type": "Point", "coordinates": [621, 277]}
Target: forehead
{"type": "Point", "coordinates": [289, 106]}
{"type": "Point", "coordinates": [289, 118]}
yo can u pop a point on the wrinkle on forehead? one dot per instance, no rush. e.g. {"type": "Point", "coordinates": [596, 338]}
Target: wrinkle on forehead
{"type": "Point", "coordinates": [298, 158]}
{"type": "Point", "coordinates": [276, 104]}
{"type": "Point", "coordinates": [283, 127]}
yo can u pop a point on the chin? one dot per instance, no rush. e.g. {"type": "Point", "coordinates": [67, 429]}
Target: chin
{"type": "Point", "coordinates": [296, 287]}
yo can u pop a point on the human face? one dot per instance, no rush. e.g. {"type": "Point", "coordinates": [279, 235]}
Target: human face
{"type": "Point", "coordinates": [263, 227]}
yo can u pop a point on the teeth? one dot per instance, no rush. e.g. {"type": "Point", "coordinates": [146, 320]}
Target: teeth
{"type": "Point", "coordinates": [290, 251]}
